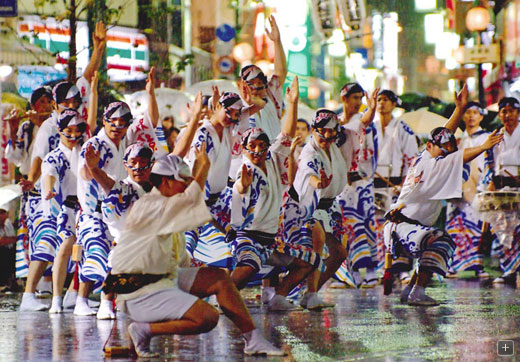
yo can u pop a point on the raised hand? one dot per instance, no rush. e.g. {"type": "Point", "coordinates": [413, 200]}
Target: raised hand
{"type": "Point", "coordinates": [215, 96]}
{"type": "Point", "coordinates": [493, 139]}
{"type": "Point", "coordinates": [324, 180]}
{"type": "Point", "coordinates": [274, 34]}
{"type": "Point", "coordinates": [293, 92]}
{"type": "Point", "coordinates": [246, 177]}
{"type": "Point", "coordinates": [99, 37]}
{"type": "Point", "coordinates": [91, 157]}
{"type": "Point", "coordinates": [201, 155]}
{"type": "Point", "coordinates": [372, 100]}
{"type": "Point", "coordinates": [150, 81]}
{"type": "Point", "coordinates": [461, 99]}
{"type": "Point", "coordinates": [196, 107]}
{"type": "Point", "coordinates": [297, 141]}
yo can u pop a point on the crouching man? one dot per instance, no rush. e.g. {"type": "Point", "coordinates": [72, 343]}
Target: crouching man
{"type": "Point", "coordinates": [152, 288]}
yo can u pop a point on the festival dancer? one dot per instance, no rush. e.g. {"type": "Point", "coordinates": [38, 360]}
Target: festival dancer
{"type": "Point", "coordinates": [462, 222]}
{"type": "Point", "coordinates": [502, 169]}
{"type": "Point", "coordinates": [18, 152]}
{"type": "Point", "coordinates": [254, 81]}
{"type": "Point", "coordinates": [59, 179]}
{"type": "Point", "coordinates": [312, 214]}
{"type": "Point", "coordinates": [397, 147]}
{"type": "Point", "coordinates": [43, 236]}
{"type": "Point", "coordinates": [435, 175]}
{"type": "Point", "coordinates": [357, 199]}
{"type": "Point", "coordinates": [154, 290]}
{"type": "Point", "coordinates": [255, 211]}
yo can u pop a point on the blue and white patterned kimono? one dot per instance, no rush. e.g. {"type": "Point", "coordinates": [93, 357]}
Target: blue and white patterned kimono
{"type": "Point", "coordinates": [117, 203]}
{"type": "Point", "coordinates": [21, 158]}
{"type": "Point", "coordinates": [357, 204]}
{"type": "Point", "coordinates": [258, 211]}
{"type": "Point", "coordinates": [502, 157]}
{"type": "Point", "coordinates": [207, 241]}
{"type": "Point", "coordinates": [92, 232]}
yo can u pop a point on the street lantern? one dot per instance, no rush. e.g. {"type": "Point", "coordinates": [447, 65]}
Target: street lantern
{"type": "Point", "coordinates": [243, 52]}
{"type": "Point", "coordinates": [477, 19]}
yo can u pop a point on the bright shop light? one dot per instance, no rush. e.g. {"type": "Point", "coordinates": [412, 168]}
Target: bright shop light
{"type": "Point", "coordinates": [433, 27]}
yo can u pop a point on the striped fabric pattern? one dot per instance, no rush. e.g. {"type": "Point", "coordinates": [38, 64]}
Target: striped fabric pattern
{"type": "Point", "coordinates": [93, 235]}
{"type": "Point", "coordinates": [465, 229]}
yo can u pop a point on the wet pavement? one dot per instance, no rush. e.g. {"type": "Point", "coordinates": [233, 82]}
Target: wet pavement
{"type": "Point", "coordinates": [364, 326]}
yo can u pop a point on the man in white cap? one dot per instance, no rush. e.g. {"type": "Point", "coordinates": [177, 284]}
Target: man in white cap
{"type": "Point", "coordinates": [435, 175]}
{"type": "Point", "coordinates": [151, 288]}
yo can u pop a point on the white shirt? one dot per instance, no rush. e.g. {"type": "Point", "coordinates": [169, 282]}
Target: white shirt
{"type": "Point", "coordinates": [397, 148]}
{"type": "Point", "coordinates": [476, 139]}
{"type": "Point", "coordinates": [219, 152]}
{"type": "Point", "coordinates": [428, 182]}
{"type": "Point", "coordinates": [259, 208]}
{"type": "Point", "coordinates": [62, 164]}
{"type": "Point", "coordinates": [21, 155]}
{"type": "Point", "coordinates": [111, 161]}
{"type": "Point", "coordinates": [507, 154]}
{"type": "Point", "coordinates": [145, 245]}
{"type": "Point", "coordinates": [268, 118]}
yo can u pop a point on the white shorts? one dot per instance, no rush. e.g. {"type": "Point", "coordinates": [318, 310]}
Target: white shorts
{"type": "Point", "coordinates": [167, 304]}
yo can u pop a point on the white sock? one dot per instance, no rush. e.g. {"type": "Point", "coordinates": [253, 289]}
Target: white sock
{"type": "Point", "coordinates": [57, 300]}
{"type": "Point", "coordinates": [28, 295]}
{"type": "Point", "coordinates": [105, 303]}
{"type": "Point", "coordinates": [82, 300]}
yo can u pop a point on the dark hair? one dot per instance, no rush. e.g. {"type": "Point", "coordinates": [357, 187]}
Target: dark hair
{"type": "Point", "coordinates": [156, 179]}
{"type": "Point", "coordinates": [306, 123]}
{"type": "Point", "coordinates": [351, 88]}
{"type": "Point", "coordinates": [39, 93]}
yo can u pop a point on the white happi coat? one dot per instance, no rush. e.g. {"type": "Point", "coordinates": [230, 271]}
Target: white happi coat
{"type": "Point", "coordinates": [219, 152]}
{"type": "Point", "coordinates": [507, 154]}
{"type": "Point", "coordinates": [430, 181]}
{"type": "Point", "coordinates": [142, 130]}
{"type": "Point", "coordinates": [259, 208]}
{"type": "Point", "coordinates": [397, 148]}
{"type": "Point", "coordinates": [111, 161]}
{"type": "Point", "coordinates": [366, 155]}
{"type": "Point", "coordinates": [313, 158]}
{"type": "Point", "coordinates": [145, 245]}
{"type": "Point", "coordinates": [269, 117]}
{"type": "Point", "coordinates": [21, 155]}
{"type": "Point", "coordinates": [474, 140]}
{"type": "Point", "coordinates": [62, 164]}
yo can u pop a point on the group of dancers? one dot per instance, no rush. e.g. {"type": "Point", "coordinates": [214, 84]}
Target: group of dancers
{"type": "Point", "coordinates": [296, 203]}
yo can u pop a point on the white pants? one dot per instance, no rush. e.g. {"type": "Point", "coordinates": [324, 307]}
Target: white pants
{"type": "Point", "coordinates": [167, 304]}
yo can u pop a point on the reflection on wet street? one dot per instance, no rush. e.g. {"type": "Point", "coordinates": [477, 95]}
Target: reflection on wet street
{"type": "Point", "coordinates": [364, 325]}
